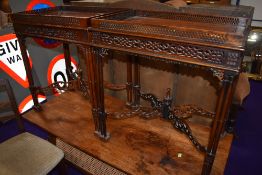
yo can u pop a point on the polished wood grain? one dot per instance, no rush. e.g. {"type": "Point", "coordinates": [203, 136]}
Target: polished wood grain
{"type": "Point", "coordinates": [137, 146]}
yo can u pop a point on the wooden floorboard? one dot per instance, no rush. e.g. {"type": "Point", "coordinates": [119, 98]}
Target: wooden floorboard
{"type": "Point", "coordinates": [137, 146]}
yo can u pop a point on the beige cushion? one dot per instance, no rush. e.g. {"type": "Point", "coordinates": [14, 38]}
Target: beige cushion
{"type": "Point", "coordinates": [27, 154]}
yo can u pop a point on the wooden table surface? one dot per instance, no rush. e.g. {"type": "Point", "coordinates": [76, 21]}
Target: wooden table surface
{"type": "Point", "coordinates": [137, 146]}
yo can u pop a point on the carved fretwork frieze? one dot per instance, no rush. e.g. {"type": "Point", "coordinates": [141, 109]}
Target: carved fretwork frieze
{"type": "Point", "coordinates": [233, 58]}
{"type": "Point", "coordinates": [39, 31]}
{"type": "Point", "coordinates": [174, 51]}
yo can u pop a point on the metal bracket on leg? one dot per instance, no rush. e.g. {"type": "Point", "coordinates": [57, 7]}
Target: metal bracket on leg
{"type": "Point", "coordinates": [101, 136]}
{"type": "Point", "coordinates": [101, 130]}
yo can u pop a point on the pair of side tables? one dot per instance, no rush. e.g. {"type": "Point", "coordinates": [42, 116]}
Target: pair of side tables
{"type": "Point", "coordinates": [214, 41]}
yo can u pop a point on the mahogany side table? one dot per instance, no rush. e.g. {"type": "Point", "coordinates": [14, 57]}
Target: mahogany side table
{"type": "Point", "coordinates": [215, 42]}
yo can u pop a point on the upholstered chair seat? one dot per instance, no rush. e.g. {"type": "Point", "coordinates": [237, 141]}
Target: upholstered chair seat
{"type": "Point", "coordinates": [26, 154]}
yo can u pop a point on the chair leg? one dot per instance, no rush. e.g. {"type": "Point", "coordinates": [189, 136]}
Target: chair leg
{"type": "Point", "coordinates": [62, 167]}
{"type": "Point", "coordinates": [20, 123]}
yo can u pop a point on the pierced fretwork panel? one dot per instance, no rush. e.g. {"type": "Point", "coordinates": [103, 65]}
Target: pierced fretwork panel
{"type": "Point", "coordinates": [175, 51]}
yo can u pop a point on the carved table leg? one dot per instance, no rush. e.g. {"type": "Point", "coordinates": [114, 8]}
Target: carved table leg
{"type": "Point", "coordinates": [89, 55]}
{"type": "Point", "coordinates": [67, 61]}
{"type": "Point", "coordinates": [136, 81]}
{"type": "Point", "coordinates": [232, 112]}
{"type": "Point", "coordinates": [231, 122]}
{"type": "Point", "coordinates": [95, 81]}
{"type": "Point", "coordinates": [129, 84]}
{"type": "Point", "coordinates": [32, 88]}
{"type": "Point", "coordinates": [222, 107]}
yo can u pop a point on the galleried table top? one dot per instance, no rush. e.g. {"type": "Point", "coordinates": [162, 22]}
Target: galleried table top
{"type": "Point", "coordinates": [215, 40]}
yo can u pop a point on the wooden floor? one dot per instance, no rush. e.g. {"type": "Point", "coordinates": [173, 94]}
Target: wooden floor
{"type": "Point", "coordinates": [137, 146]}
